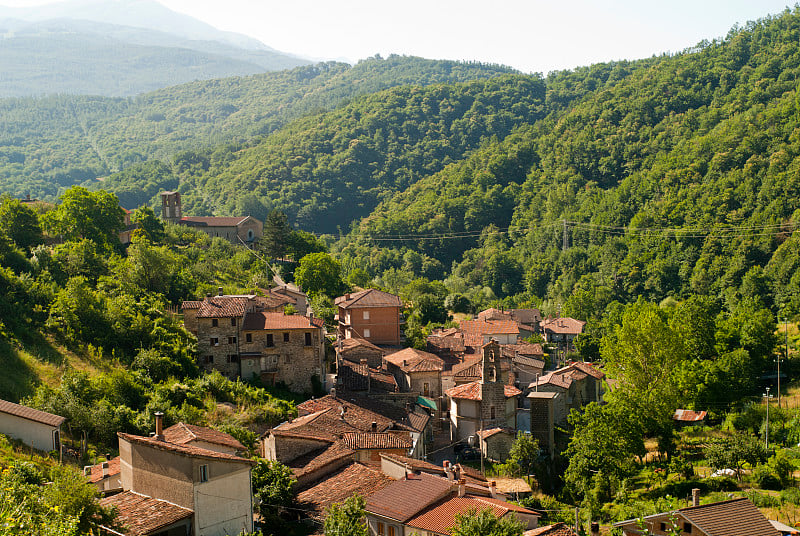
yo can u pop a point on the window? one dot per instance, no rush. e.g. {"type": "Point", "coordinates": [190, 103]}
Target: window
{"type": "Point", "coordinates": [231, 340]}
{"type": "Point", "coordinates": [270, 340]}
{"type": "Point", "coordinates": [366, 314]}
{"type": "Point", "coordinates": [308, 339]}
{"type": "Point", "coordinates": [285, 337]}
{"type": "Point", "coordinates": [366, 334]}
{"type": "Point", "coordinates": [233, 358]}
{"type": "Point", "coordinates": [214, 322]}
{"type": "Point", "coordinates": [248, 337]}
{"type": "Point", "coordinates": [250, 234]}
{"type": "Point", "coordinates": [380, 529]}
{"type": "Point", "coordinates": [287, 359]}
{"type": "Point", "coordinates": [204, 473]}
{"type": "Point", "coordinates": [426, 389]}
{"type": "Point", "coordinates": [491, 412]}
{"type": "Point", "coordinates": [391, 530]}
{"type": "Point", "coordinates": [272, 359]}
{"type": "Point", "coordinates": [662, 526]}
{"type": "Point", "coordinates": [233, 321]}
{"type": "Point", "coordinates": [687, 528]}
{"type": "Point", "coordinates": [209, 359]}
{"type": "Point", "coordinates": [214, 341]}
{"type": "Point", "coordinates": [56, 441]}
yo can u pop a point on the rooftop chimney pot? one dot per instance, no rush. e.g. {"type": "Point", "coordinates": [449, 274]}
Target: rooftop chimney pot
{"type": "Point", "coordinates": [159, 426]}
{"type": "Point", "coordinates": [695, 497]}
{"type": "Point", "coordinates": [219, 291]}
{"type": "Point", "coordinates": [462, 487]}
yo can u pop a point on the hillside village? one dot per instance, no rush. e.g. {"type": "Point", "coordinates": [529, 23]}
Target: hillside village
{"type": "Point", "coordinates": [407, 297]}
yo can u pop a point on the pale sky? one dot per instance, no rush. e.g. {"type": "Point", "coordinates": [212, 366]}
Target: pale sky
{"type": "Point", "coordinates": [530, 35]}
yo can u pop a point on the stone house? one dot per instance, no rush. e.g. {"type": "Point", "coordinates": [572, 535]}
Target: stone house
{"type": "Point", "coordinates": [561, 331]}
{"type": "Point", "coordinates": [487, 403]}
{"type": "Point", "coordinates": [479, 332]}
{"type": "Point", "coordinates": [239, 230]}
{"type": "Point", "coordinates": [737, 517]}
{"type": "Point", "coordinates": [421, 503]}
{"type": "Point", "coordinates": [541, 418]}
{"type": "Point", "coordinates": [37, 429]}
{"type": "Point", "coordinates": [242, 335]}
{"type": "Point", "coordinates": [363, 379]}
{"type": "Point", "coordinates": [355, 349]}
{"type": "Point", "coordinates": [211, 489]}
{"type": "Point", "coordinates": [495, 443]}
{"type": "Point", "coordinates": [281, 348]}
{"type": "Point", "coordinates": [416, 371]}
{"type": "Point", "coordinates": [371, 314]}
{"type": "Point", "coordinates": [448, 344]}
{"type": "Point", "coordinates": [577, 383]}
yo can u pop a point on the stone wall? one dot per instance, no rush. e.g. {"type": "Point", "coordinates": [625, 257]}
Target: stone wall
{"type": "Point", "coordinates": [292, 362]}
{"type": "Point", "coordinates": [355, 355]}
{"type": "Point", "coordinates": [285, 449]}
{"type": "Point", "coordinates": [216, 345]}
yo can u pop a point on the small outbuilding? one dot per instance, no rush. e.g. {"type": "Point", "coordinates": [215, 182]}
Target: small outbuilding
{"type": "Point", "coordinates": [37, 429]}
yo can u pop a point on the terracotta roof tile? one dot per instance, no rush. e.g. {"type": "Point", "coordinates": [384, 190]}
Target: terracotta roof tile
{"type": "Point", "coordinates": [360, 377]}
{"type": "Point", "coordinates": [368, 298]}
{"type": "Point", "coordinates": [737, 517]}
{"type": "Point", "coordinates": [472, 391]}
{"type": "Point", "coordinates": [340, 485]}
{"type": "Point", "coordinates": [354, 343]}
{"type": "Point", "coordinates": [418, 419]}
{"type": "Point", "coordinates": [224, 306]}
{"type": "Point", "coordinates": [369, 440]}
{"type": "Point", "coordinates": [522, 348]}
{"type": "Point", "coordinates": [333, 453]}
{"type": "Point", "coordinates": [563, 325]}
{"type": "Point", "coordinates": [96, 474]}
{"type": "Point", "coordinates": [494, 431]}
{"type": "Point", "coordinates": [589, 369]}
{"type": "Point", "coordinates": [476, 330]}
{"type": "Point", "coordinates": [441, 516]}
{"type": "Point", "coordinates": [182, 434]}
{"type": "Point", "coordinates": [360, 412]}
{"type": "Point", "coordinates": [687, 415]}
{"type": "Point", "coordinates": [185, 450]}
{"type": "Point", "coordinates": [526, 316]}
{"type": "Point", "coordinates": [413, 360]}
{"type": "Point", "coordinates": [255, 321]}
{"type": "Point", "coordinates": [191, 305]}
{"type": "Point", "coordinates": [143, 515]}
{"type": "Point", "coordinates": [31, 414]}
{"type": "Point", "coordinates": [403, 499]}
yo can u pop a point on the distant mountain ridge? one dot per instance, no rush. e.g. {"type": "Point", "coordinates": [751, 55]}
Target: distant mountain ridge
{"type": "Point", "coordinates": [120, 48]}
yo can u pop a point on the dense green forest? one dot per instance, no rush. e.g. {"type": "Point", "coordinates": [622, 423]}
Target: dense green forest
{"type": "Point", "coordinates": [50, 143]}
{"type": "Point", "coordinates": [673, 176]}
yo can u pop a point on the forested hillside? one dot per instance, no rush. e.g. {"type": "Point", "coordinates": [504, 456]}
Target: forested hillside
{"type": "Point", "coordinates": [49, 143]}
{"type": "Point", "coordinates": [672, 176]}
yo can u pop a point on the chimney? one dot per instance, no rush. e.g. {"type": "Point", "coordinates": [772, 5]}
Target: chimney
{"type": "Point", "coordinates": [87, 470]}
{"type": "Point", "coordinates": [104, 466]}
{"type": "Point", "coordinates": [462, 487]}
{"type": "Point", "coordinates": [159, 426]}
{"type": "Point", "coordinates": [493, 488]}
{"type": "Point", "coordinates": [448, 470]}
{"type": "Point", "coordinates": [374, 427]}
{"type": "Point", "coordinates": [333, 392]}
{"type": "Point", "coordinates": [595, 528]}
{"type": "Point", "coordinates": [347, 297]}
{"type": "Point", "coordinates": [695, 496]}
{"type": "Point", "coordinates": [219, 291]}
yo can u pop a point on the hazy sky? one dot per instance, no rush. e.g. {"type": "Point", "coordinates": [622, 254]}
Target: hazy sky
{"type": "Point", "coordinates": [531, 35]}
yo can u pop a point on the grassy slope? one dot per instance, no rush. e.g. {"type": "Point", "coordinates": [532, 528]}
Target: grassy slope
{"type": "Point", "coordinates": [26, 366]}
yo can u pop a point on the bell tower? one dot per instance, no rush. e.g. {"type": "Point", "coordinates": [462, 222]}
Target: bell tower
{"type": "Point", "coordinates": [171, 206]}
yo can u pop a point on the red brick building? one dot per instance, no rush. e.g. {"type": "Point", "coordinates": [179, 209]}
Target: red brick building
{"type": "Point", "coordinates": [372, 315]}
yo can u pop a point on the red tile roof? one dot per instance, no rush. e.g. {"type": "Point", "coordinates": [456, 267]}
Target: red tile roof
{"type": "Point", "coordinates": [143, 515]}
{"type": "Point", "coordinates": [440, 517]}
{"type": "Point", "coordinates": [368, 298]}
{"type": "Point", "coordinates": [687, 415]}
{"type": "Point", "coordinates": [589, 369]}
{"type": "Point", "coordinates": [493, 314]}
{"type": "Point", "coordinates": [485, 434]}
{"type": "Point", "coordinates": [184, 450]}
{"type": "Point", "coordinates": [224, 306]}
{"type": "Point", "coordinates": [476, 330]}
{"type": "Point", "coordinates": [360, 377]}
{"type": "Point", "coordinates": [354, 343]}
{"type": "Point", "coordinates": [356, 415]}
{"type": "Point", "coordinates": [31, 414]}
{"type": "Point", "coordinates": [472, 391]}
{"type": "Point", "coordinates": [522, 348]}
{"type": "Point", "coordinates": [413, 360]}
{"type": "Point", "coordinates": [334, 453]}
{"type": "Point", "coordinates": [403, 499]}
{"type": "Point", "coordinates": [371, 441]}
{"type": "Point", "coordinates": [182, 434]}
{"type": "Point", "coordinates": [266, 321]}
{"type": "Point", "coordinates": [96, 474]}
{"type": "Point", "coordinates": [340, 485]}
{"type": "Point", "coordinates": [191, 305]}
{"type": "Point", "coordinates": [563, 325]}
